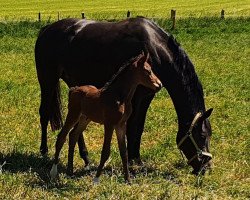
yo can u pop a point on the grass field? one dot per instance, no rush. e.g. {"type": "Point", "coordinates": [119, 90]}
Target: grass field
{"type": "Point", "coordinates": [220, 50]}
{"type": "Point", "coordinates": [28, 9]}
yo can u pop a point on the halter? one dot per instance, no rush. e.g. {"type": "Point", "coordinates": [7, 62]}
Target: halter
{"type": "Point", "coordinates": [189, 135]}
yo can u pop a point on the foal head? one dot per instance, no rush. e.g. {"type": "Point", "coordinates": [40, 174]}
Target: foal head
{"type": "Point", "coordinates": [144, 73]}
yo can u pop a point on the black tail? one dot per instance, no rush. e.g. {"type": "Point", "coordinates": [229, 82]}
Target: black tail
{"type": "Point", "coordinates": [56, 121]}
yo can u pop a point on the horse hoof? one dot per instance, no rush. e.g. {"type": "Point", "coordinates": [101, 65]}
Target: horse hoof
{"type": "Point", "coordinates": [44, 151]}
{"type": "Point", "coordinates": [96, 180]}
{"type": "Point", "coordinates": [138, 162]}
{"type": "Point", "coordinates": [69, 172]}
{"type": "Point", "coordinates": [53, 171]}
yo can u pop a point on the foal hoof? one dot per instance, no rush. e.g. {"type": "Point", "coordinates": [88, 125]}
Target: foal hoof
{"type": "Point", "coordinates": [128, 182]}
{"type": "Point", "coordinates": [96, 180]}
{"type": "Point", "coordinates": [87, 167]}
{"type": "Point", "coordinates": [53, 171]}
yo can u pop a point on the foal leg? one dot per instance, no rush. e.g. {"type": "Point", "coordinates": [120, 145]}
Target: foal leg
{"type": "Point", "coordinates": [108, 132]}
{"type": "Point", "coordinates": [120, 134]}
{"type": "Point", "coordinates": [73, 138]}
{"type": "Point", "coordinates": [83, 149]}
{"type": "Point", "coordinates": [71, 121]}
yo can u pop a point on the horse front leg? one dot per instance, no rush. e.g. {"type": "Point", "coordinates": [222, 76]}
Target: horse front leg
{"type": "Point", "coordinates": [135, 125]}
{"type": "Point", "coordinates": [108, 132]}
{"type": "Point", "coordinates": [143, 108]}
{"type": "Point", "coordinates": [120, 134]}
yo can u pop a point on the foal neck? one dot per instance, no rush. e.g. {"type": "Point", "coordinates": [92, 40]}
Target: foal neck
{"type": "Point", "coordinates": [123, 88]}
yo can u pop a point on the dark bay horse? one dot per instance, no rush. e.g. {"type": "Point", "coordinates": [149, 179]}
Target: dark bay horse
{"type": "Point", "coordinates": [111, 105]}
{"type": "Point", "coordinates": [84, 52]}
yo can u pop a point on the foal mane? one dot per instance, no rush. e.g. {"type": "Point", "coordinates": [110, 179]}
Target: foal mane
{"type": "Point", "coordinates": [120, 71]}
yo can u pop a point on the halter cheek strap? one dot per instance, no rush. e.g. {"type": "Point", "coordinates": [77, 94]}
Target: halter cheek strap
{"type": "Point", "coordinates": [189, 135]}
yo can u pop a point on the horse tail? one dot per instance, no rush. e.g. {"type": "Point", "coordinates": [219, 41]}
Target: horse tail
{"type": "Point", "coordinates": [56, 121]}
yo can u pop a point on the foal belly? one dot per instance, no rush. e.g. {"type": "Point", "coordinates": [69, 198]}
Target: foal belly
{"type": "Point", "coordinates": [94, 112]}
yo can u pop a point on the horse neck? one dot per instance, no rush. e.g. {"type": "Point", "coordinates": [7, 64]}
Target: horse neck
{"type": "Point", "coordinates": [183, 85]}
{"type": "Point", "coordinates": [188, 101]}
{"type": "Point", "coordinates": [123, 87]}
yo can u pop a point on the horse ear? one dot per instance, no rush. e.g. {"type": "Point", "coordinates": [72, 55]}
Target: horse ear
{"type": "Point", "coordinates": [206, 114]}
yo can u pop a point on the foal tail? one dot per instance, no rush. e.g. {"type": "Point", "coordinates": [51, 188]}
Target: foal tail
{"type": "Point", "coordinates": [56, 121]}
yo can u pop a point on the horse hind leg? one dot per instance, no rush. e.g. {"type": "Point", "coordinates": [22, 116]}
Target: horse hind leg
{"type": "Point", "coordinates": [50, 109]}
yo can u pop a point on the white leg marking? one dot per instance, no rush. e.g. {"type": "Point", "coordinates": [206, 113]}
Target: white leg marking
{"type": "Point", "coordinates": [53, 171]}
{"type": "Point", "coordinates": [87, 168]}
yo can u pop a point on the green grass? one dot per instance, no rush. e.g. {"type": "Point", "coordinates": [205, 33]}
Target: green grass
{"type": "Point", "coordinates": [28, 9]}
{"type": "Point", "coordinates": [219, 49]}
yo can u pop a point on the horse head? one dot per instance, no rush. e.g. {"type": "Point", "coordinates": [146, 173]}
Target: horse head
{"type": "Point", "coordinates": [195, 142]}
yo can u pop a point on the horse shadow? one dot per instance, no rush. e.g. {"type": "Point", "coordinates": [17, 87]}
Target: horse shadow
{"type": "Point", "coordinates": [17, 162]}
{"type": "Point", "coordinates": [31, 163]}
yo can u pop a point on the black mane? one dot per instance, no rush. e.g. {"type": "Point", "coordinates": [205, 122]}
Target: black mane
{"type": "Point", "coordinates": [187, 78]}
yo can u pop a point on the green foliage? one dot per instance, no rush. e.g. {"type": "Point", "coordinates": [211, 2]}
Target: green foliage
{"type": "Point", "coordinates": [219, 49]}
{"type": "Point", "coordinates": [103, 9]}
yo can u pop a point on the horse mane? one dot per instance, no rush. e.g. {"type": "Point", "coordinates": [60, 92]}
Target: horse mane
{"type": "Point", "coordinates": [186, 74]}
{"type": "Point", "coordinates": [120, 70]}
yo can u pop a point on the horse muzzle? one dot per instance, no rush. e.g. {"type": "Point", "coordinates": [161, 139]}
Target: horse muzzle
{"type": "Point", "coordinates": [158, 85]}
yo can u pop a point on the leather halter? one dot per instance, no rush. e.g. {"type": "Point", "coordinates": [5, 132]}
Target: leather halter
{"type": "Point", "coordinates": [189, 135]}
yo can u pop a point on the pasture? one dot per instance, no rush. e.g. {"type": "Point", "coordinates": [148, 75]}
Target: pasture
{"type": "Point", "coordinates": [220, 51]}
{"type": "Point", "coordinates": [99, 9]}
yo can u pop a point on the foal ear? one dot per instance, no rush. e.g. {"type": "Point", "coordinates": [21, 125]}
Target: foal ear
{"type": "Point", "coordinates": [206, 114]}
{"type": "Point", "coordinates": [141, 60]}
{"type": "Point", "coordinates": [147, 57]}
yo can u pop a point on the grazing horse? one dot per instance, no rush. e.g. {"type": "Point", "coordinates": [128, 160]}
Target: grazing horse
{"type": "Point", "coordinates": [111, 106]}
{"type": "Point", "coordinates": [85, 52]}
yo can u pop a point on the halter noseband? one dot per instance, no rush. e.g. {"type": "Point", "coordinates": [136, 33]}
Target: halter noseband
{"type": "Point", "coordinates": [189, 134]}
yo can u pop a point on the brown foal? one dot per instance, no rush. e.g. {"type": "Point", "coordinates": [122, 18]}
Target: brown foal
{"type": "Point", "coordinates": [111, 106]}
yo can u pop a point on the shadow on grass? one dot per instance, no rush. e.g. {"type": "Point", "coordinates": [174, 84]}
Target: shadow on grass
{"type": "Point", "coordinates": [36, 170]}
{"type": "Point", "coordinates": [17, 162]}
{"type": "Point", "coordinates": [38, 167]}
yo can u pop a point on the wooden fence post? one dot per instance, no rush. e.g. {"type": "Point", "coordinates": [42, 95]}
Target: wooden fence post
{"type": "Point", "coordinates": [173, 16]}
{"type": "Point", "coordinates": [83, 16]}
{"type": "Point", "coordinates": [39, 16]}
{"type": "Point", "coordinates": [222, 14]}
{"type": "Point", "coordinates": [128, 14]}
